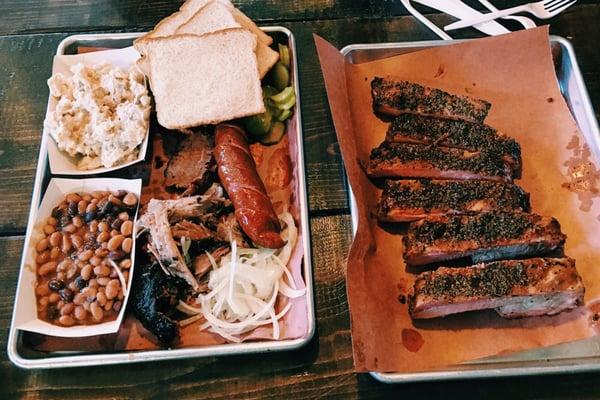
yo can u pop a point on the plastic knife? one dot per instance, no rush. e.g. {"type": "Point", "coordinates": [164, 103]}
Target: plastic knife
{"type": "Point", "coordinates": [460, 10]}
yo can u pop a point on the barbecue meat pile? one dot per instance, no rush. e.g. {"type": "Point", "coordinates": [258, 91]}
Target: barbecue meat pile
{"type": "Point", "coordinates": [186, 217]}
{"type": "Point", "coordinates": [450, 176]}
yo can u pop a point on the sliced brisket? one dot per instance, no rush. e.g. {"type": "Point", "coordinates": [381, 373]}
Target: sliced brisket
{"type": "Point", "coordinates": [482, 237]}
{"type": "Point", "coordinates": [409, 200]}
{"type": "Point", "coordinates": [401, 97]}
{"type": "Point", "coordinates": [514, 288]}
{"type": "Point", "coordinates": [405, 160]}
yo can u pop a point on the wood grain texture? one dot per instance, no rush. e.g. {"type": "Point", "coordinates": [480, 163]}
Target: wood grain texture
{"type": "Point", "coordinates": [25, 64]}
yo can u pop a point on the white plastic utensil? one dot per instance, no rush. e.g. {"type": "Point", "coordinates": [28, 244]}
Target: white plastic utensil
{"type": "Point", "coordinates": [526, 22]}
{"type": "Point", "coordinates": [424, 20]}
{"type": "Point", "coordinates": [542, 9]}
{"type": "Point", "coordinates": [460, 10]}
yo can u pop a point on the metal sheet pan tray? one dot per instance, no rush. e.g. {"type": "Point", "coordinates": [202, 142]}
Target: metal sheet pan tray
{"type": "Point", "coordinates": [579, 356]}
{"type": "Point", "coordinates": [23, 356]}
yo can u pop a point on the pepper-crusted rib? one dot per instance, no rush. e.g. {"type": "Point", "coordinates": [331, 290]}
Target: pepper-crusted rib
{"type": "Point", "coordinates": [458, 134]}
{"type": "Point", "coordinates": [409, 200]}
{"type": "Point", "coordinates": [407, 160]}
{"type": "Point", "coordinates": [514, 288]}
{"type": "Point", "coordinates": [482, 237]}
{"type": "Point", "coordinates": [401, 97]}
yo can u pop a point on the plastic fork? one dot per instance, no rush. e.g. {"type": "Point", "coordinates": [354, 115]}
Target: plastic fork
{"type": "Point", "coordinates": [526, 22]}
{"type": "Point", "coordinates": [542, 9]}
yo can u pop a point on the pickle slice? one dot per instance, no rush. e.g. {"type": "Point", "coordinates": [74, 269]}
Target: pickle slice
{"type": "Point", "coordinates": [282, 115]}
{"type": "Point", "coordinates": [279, 76]}
{"type": "Point", "coordinates": [284, 55]}
{"type": "Point", "coordinates": [259, 125]}
{"type": "Point", "coordinates": [284, 100]}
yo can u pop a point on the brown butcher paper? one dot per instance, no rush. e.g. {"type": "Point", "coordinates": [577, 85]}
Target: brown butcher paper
{"type": "Point", "coordinates": [515, 73]}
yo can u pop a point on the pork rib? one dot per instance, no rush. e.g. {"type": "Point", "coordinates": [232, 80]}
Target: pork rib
{"type": "Point", "coordinates": [410, 200]}
{"type": "Point", "coordinates": [402, 97]}
{"type": "Point", "coordinates": [465, 135]}
{"type": "Point", "coordinates": [482, 237]}
{"type": "Point", "coordinates": [514, 288]}
{"type": "Point", "coordinates": [406, 160]}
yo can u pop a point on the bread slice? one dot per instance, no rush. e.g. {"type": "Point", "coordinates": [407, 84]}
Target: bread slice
{"type": "Point", "coordinates": [168, 25]}
{"type": "Point", "coordinates": [247, 23]}
{"type": "Point", "coordinates": [214, 16]}
{"type": "Point", "coordinates": [204, 16]}
{"type": "Point", "coordinates": [266, 58]}
{"type": "Point", "coordinates": [200, 80]}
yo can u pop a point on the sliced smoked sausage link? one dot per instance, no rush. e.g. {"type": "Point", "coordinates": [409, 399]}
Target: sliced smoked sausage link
{"type": "Point", "coordinates": [237, 171]}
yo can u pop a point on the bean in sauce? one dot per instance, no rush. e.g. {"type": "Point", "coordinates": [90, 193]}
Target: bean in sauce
{"type": "Point", "coordinates": [86, 237]}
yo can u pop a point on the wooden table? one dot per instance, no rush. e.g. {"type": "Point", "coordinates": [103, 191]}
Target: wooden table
{"type": "Point", "coordinates": [30, 31]}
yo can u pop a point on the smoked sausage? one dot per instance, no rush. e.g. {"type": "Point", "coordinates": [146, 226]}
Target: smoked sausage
{"type": "Point", "coordinates": [237, 171]}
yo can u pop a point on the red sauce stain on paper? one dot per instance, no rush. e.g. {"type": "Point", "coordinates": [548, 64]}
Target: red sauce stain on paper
{"type": "Point", "coordinates": [583, 176]}
{"type": "Point", "coordinates": [594, 318]}
{"type": "Point", "coordinates": [412, 340]}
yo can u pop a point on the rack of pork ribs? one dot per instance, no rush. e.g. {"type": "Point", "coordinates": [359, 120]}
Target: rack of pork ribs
{"type": "Point", "coordinates": [450, 177]}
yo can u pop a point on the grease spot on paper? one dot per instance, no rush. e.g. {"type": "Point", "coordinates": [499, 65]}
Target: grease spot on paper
{"type": "Point", "coordinates": [583, 176]}
{"type": "Point", "coordinates": [412, 340]}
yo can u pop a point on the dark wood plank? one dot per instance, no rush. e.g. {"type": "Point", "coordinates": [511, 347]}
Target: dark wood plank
{"type": "Point", "coordinates": [25, 64]}
{"type": "Point", "coordinates": [29, 16]}
{"type": "Point", "coordinates": [26, 16]}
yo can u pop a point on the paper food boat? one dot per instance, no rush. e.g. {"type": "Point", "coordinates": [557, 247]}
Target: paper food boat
{"type": "Point", "coordinates": [26, 308]}
{"type": "Point", "coordinates": [62, 163]}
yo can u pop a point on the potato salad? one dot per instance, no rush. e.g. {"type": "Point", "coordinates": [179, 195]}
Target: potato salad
{"type": "Point", "coordinates": [101, 114]}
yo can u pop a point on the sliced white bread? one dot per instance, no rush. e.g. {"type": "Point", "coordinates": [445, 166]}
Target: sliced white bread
{"type": "Point", "coordinates": [247, 23]}
{"type": "Point", "coordinates": [168, 25]}
{"type": "Point", "coordinates": [216, 16]}
{"type": "Point", "coordinates": [204, 16]}
{"type": "Point", "coordinates": [211, 18]}
{"type": "Point", "coordinates": [266, 58]}
{"type": "Point", "coordinates": [201, 80]}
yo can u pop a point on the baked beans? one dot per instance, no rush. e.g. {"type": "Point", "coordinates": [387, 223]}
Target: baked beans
{"type": "Point", "coordinates": [87, 236]}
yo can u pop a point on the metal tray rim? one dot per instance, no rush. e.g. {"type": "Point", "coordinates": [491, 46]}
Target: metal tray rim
{"type": "Point", "coordinates": [550, 366]}
{"type": "Point", "coordinates": [192, 352]}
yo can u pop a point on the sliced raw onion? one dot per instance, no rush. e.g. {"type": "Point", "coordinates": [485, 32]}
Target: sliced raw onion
{"type": "Point", "coordinates": [244, 287]}
{"type": "Point", "coordinates": [120, 274]}
{"type": "Point", "coordinates": [187, 309]}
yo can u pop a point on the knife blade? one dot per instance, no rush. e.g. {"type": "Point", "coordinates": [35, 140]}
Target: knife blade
{"type": "Point", "coordinates": [460, 10]}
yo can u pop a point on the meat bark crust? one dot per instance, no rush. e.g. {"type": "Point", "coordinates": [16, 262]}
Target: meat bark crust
{"type": "Point", "coordinates": [409, 200]}
{"type": "Point", "coordinates": [483, 237]}
{"type": "Point", "coordinates": [406, 160]}
{"type": "Point", "coordinates": [154, 296]}
{"type": "Point", "coordinates": [465, 135]}
{"type": "Point", "coordinates": [514, 288]}
{"type": "Point", "coordinates": [401, 97]}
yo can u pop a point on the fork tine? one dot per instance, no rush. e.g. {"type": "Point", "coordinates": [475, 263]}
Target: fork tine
{"type": "Point", "coordinates": [550, 3]}
{"type": "Point", "coordinates": [561, 7]}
